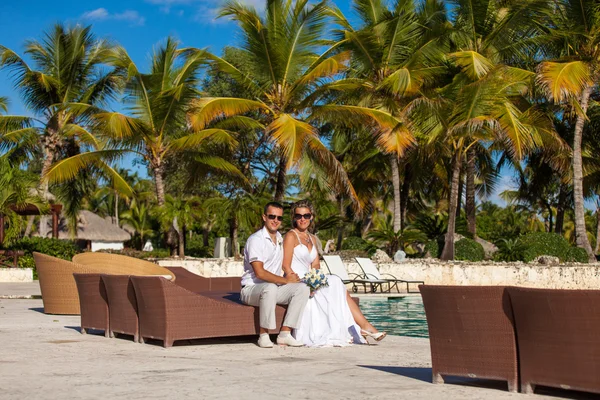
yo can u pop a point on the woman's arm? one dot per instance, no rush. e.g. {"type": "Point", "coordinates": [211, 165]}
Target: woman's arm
{"type": "Point", "coordinates": [316, 264]}
{"type": "Point", "coordinates": [289, 242]}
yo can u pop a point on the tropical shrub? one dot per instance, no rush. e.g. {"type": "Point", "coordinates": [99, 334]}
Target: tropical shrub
{"type": "Point", "coordinates": [434, 248]}
{"type": "Point", "coordinates": [468, 250]}
{"type": "Point", "coordinates": [194, 247]}
{"type": "Point", "coordinates": [355, 243]}
{"type": "Point", "coordinates": [509, 250]}
{"type": "Point", "coordinates": [550, 244]}
{"type": "Point", "coordinates": [64, 249]}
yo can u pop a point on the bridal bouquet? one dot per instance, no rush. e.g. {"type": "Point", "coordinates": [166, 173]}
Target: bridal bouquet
{"type": "Point", "coordinates": [315, 279]}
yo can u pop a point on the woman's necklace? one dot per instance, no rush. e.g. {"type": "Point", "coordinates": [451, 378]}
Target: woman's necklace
{"type": "Point", "coordinates": [306, 239]}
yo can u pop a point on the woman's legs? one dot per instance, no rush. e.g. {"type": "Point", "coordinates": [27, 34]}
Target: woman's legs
{"type": "Point", "coordinates": [358, 316]}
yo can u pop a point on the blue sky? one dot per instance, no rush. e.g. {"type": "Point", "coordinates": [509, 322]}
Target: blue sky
{"type": "Point", "coordinates": [137, 25]}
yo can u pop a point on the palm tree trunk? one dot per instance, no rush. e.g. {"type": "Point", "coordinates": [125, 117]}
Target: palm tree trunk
{"type": "Point", "coordinates": [340, 233]}
{"type": "Point", "coordinates": [116, 208]}
{"type": "Point", "coordinates": [461, 189]}
{"type": "Point", "coordinates": [180, 237]}
{"type": "Point", "coordinates": [560, 209]}
{"type": "Point", "coordinates": [550, 216]}
{"type": "Point", "coordinates": [470, 197]}
{"type": "Point", "coordinates": [396, 186]}
{"type": "Point", "coordinates": [29, 228]}
{"type": "Point", "coordinates": [404, 195]}
{"type": "Point", "coordinates": [233, 228]}
{"type": "Point", "coordinates": [448, 252]}
{"type": "Point", "coordinates": [597, 231]}
{"type": "Point", "coordinates": [580, 230]}
{"type": "Point", "coordinates": [159, 171]}
{"type": "Point", "coordinates": [205, 237]}
{"type": "Point", "coordinates": [45, 187]}
{"type": "Point", "coordinates": [281, 178]}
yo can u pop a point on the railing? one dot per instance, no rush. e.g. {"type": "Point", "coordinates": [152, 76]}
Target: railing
{"type": "Point", "coordinates": [6, 255]}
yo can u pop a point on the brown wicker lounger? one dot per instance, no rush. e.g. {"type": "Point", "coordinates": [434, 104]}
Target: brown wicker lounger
{"type": "Point", "coordinates": [93, 302]}
{"type": "Point", "coordinates": [471, 332]}
{"type": "Point", "coordinates": [169, 312]}
{"type": "Point", "coordinates": [122, 304]}
{"type": "Point", "coordinates": [557, 332]}
{"type": "Point", "coordinates": [128, 265]}
{"type": "Point", "coordinates": [197, 284]}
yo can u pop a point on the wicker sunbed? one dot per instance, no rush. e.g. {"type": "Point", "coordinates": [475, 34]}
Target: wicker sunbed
{"type": "Point", "coordinates": [557, 332]}
{"type": "Point", "coordinates": [471, 333]}
{"type": "Point", "coordinates": [196, 283]}
{"type": "Point", "coordinates": [169, 312]}
{"type": "Point", "coordinates": [122, 304]}
{"type": "Point", "coordinates": [93, 302]}
{"type": "Point", "coordinates": [128, 265]}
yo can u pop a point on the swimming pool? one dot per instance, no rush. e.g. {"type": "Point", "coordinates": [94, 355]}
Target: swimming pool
{"type": "Point", "coordinates": [404, 316]}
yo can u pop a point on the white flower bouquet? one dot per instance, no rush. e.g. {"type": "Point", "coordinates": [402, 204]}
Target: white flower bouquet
{"type": "Point", "coordinates": [315, 279]}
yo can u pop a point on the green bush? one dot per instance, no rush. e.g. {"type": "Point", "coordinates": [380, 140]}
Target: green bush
{"type": "Point", "coordinates": [434, 248]}
{"type": "Point", "coordinates": [509, 250]}
{"type": "Point", "coordinates": [156, 253]}
{"type": "Point", "coordinates": [64, 249]}
{"type": "Point", "coordinates": [468, 250]}
{"type": "Point", "coordinates": [577, 254]}
{"type": "Point", "coordinates": [550, 244]}
{"type": "Point", "coordinates": [355, 243]}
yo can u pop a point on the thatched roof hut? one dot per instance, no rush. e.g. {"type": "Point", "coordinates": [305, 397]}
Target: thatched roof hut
{"type": "Point", "coordinates": [93, 228]}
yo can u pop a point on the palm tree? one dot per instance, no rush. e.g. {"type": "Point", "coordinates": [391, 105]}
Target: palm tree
{"type": "Point", "coordinates": [281, 47]}
{"type": "Point", "coordinates": [179, 213]}
{"type": "Point", "coordinates": [67, 71]}
{"type": "Point", "coordinates": [572, 77]}
{"type": "Point", "coordinates": [16, 189]}
{"type": "Point", "coordinates": [485, 102]}
{"type": "Point", "coordinates": [138, 218]}
{"type": "Point", "coordinates": [157, 128]}
{"type": "Point", "coordinates": [396, 53]}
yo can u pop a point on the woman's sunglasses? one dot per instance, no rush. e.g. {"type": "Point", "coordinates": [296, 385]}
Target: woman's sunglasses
{"type": "Point", "coordinates": [271, 216]}
{"type": "Point", "coordinates": [298, 217]}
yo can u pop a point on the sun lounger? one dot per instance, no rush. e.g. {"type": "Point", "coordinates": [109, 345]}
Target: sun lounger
{"type": "Point", "coordinates": [557, 333]}
{"type": "Point", "coordinates": [471, 333]}
{"type": "Point", "coordinates": [335, 265]}
{"type": "Point", "coordinates": [93, 302]}
{"type": "Point", "coordinates": [169, 312]}
{"type": "Point", "coordinates": [122, 305]}
{"type": "Point", "coordinates": [377, 279]}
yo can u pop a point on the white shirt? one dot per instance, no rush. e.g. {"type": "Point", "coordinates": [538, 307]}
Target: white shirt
{"type": "Point", "coordinates": [260, 247]}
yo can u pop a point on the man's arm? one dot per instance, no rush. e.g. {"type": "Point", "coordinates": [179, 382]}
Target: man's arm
{"type": "Point", "coordinates": [262, 274]}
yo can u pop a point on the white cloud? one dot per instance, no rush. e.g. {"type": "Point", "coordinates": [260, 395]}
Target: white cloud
{"type": "Point", "coordinates": [102, 14]}
{"type": "Point", "coordinates": [202, 10]}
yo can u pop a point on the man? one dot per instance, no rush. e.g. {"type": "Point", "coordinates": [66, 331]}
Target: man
{"type": "Point", "coordinates": [263, 284]}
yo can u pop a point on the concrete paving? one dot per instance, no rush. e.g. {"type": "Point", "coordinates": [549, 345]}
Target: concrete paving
{"type": "Point", "coordinates": [46, 357]}
{"type": "Point", "coordinates": [20, 290]}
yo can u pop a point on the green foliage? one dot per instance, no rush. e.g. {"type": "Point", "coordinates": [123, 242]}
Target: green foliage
{"type": "Point", "coordinates": [64, 249]}
{"type": "Point", "coordinates": [194, 247]}
{"type": "Point", "coordinates": [468, 250]}
{"type": "Point", "coordinates": [432, 225]}
{"type": "Point", "coordinates": [550, 244]}
{"type": "Point", "coordinates": [355, 243]}
{"type": "Point", "coordinates": [509, 250]}
{"type": "Point", "coordinates": [434, 248]}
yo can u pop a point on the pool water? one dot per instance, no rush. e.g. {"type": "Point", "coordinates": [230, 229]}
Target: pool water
{"type": "Point", "coordinates": [403, 316]}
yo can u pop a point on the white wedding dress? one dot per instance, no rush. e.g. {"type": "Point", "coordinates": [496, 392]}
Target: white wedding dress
{"type": "Point", "coordinates": [327, 319]}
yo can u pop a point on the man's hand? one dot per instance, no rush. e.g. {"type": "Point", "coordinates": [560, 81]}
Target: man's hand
{"type": "Point", "coordinates": [292, 278]}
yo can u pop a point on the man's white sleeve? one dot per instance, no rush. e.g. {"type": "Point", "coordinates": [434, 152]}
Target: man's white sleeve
{"type": "Point", "coordinates": [255, 247]}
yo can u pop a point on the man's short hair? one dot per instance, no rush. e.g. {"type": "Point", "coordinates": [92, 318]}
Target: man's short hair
{"type": "Point", "coordinates": [272, 204]}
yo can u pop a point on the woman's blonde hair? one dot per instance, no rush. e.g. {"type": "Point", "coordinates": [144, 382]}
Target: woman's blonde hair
{"type": "Point", "coordinates": [303, 204]}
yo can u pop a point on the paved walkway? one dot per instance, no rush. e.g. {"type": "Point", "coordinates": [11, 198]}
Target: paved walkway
{"type": "Point", "coordinates": [20, 290]}
{"type": "Point", "coordinates": [45, 357]}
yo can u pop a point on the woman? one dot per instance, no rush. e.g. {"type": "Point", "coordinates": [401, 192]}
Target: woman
{"type": "Point", "coordinates": [331, 317]}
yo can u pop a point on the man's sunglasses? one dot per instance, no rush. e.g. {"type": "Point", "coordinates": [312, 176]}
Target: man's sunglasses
{"type": "Point", "coordinates": [298, 217]}
{"type": "Point", "coordinates": [271, 216]}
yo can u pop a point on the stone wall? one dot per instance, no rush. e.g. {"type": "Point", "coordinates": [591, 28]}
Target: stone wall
{"type": "Point", "coordinates": [434, 272]}
{"type": "Point", "coordinates": [16, 275]}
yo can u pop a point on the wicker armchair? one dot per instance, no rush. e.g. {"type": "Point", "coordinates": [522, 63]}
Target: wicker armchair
{"type": "Point", "coordinates": [169, 312]}
{"type": "Point", "coordinates": [123, 305]}
{"type": "Point", "coordinates": [557, 332]}
{"type": "Point", "coordinates": [471, 332]}
{"type": "Point", "coordinates": [197, 284]}
{"type": "Point", "coordinates": [121, 265]}
{"type": "Point", "coordinates": [93, 302]}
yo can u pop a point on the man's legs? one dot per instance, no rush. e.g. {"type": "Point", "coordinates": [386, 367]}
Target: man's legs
{"type": "Point", "coordinates": [295, 295]}
{"type": "Point", "coordinates": [263, 296]}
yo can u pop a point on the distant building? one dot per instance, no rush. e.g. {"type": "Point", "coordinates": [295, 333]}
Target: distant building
{"type": "Point", "coordinates": [94, 232]}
